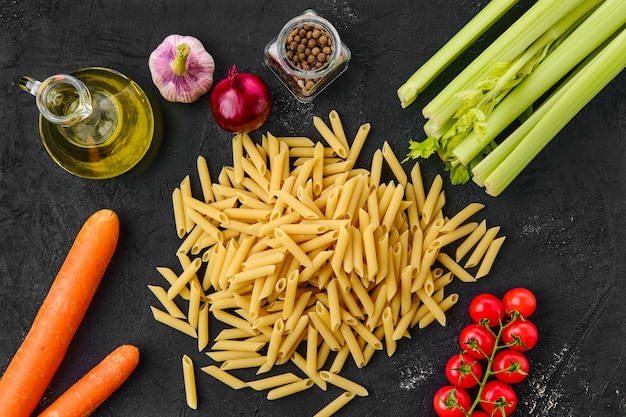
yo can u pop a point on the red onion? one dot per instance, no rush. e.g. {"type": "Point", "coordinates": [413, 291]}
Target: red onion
{"type": "Point", "coordinates": [240, 103]}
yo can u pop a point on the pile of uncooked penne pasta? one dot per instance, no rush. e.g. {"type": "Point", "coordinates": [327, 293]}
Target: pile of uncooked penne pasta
{"type": "Point", "coordinates": [305, 258]}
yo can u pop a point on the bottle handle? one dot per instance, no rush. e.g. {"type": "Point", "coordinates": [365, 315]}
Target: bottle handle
{"type": "Point", "coordinates": [44, 93]}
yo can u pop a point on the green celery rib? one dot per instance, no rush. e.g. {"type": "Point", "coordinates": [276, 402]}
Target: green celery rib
{"type": "Point", "coordinates": [589, 35]}
{"type": "Point", "coordinates": [491, 13]}
{"type": "Point", "coordinates": [511, 43]}
{"type": "Point", "coordinates": [561, 108]}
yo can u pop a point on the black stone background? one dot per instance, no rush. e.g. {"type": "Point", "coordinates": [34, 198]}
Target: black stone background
{"type": "Point", "coordinates": [563, 217]}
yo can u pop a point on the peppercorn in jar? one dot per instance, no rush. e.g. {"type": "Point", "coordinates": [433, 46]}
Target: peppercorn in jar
{"type": "Point", "coordinates": [307, 55]}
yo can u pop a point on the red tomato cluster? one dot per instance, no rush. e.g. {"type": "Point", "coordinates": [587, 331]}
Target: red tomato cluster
{"type": "Point", "coordinates": [491, 357]}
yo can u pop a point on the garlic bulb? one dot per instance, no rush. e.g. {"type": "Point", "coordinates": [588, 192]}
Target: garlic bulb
{"type": "Point", "coordinates": [181, 68]}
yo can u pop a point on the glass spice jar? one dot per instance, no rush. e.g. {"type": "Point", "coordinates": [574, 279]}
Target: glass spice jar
{"type": "Point", "coordinates": [307, 55]}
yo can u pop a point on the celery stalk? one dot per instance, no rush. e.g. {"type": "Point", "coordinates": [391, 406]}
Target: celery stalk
{"type": "Point", "coordinates": [589, 35]}
{"type": "Point", "coordinates": [491, 13]}
{"type": "Point", "coordinates": [510, 44]}
{"type": "Point", "coordinates": [560, 109]}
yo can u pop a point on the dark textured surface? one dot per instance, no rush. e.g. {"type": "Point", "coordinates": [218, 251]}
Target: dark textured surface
{"type": "Point", "coordinates": [563, 217]}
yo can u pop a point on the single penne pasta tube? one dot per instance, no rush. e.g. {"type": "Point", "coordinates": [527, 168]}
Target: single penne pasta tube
{"type": "Point", "coordinates": [273, 381]}
{"type": "Point", "coordinates": [243, 248]}
{"type": "Point", "coordinates": [412, 209]}
{"type": "Point", "coordinates": [278, 164]}
{"type": "Point", "coordinates": [318, 169]}
{"type": "Point", "coordinates": [301, 363]}
{"type": "Point", "coordinates": [341, 247]}
{"type": "Point", "coordinates": [243, 363]}
{"type": "Point", "coordinates": [179, 213]}
{"type": "Point", "coordinates": [355, 350]}
{"type": "Point", "coordinates": [224, 377]}
{"type": "Point", "coordinates": [388, 326]}
{"type": "Point", "coordinates": [324, 331]}
{"type": "Point", "coordinates": [344, 383]}
{"type": "Point", "coordinates": [348, 190]}
{"type": "Point", "coordinates": [268, 228]}
{"type": "Point", "coordinates": [204, 223]}
{"type": "Point", "coordinates": [309, 152]}
{"type": "Point", "coordinates": [273, 258]}
{"type": "Point", "coordinates": [369, 249]}
{"type": "Point", "coordinates": [376, 168]}
{"type": "Point", "coordinates": [241, 345]}
{"type": "Point", "coordinates": [406, 282]}
{"type": "Point", "coordinates": [173, 322]}
{"type": "Point", "coordinates": [417, 247]}
{"type": "Point", "coordinates": [442, 281]}
{"type": "Point", "coordinates": [170, 306]}
{"type": "Point", "coordinates": [224, 303]}
{"type": "Point", "coordinates": [330, 137]}
{"type": "Point", "coordinates": [427, 261]}
{"type": "Point", "coordinates": [294, 336]}
{"type": "Point", "coordinates": [205, 179]}
{"type": "Point", "coordinates": [358, 142]}
{"type": "Point", "coordinates": [404, 322]}
{"type": "Point", "coordinates": [185, 190]}
{"type": "Point", "coordinates": [290, 293]}
{"type": "Point", "coordinates": [248, 275]}
{"type": "Point", "coordinates": [289, 389]}
{"type": "Point", "coordinates": [171, 277]}
{"type": "Point", "coordinates": [196, 295]}
{"type": "Point", "coordinates": [460, 217]}
{"type": "Point", "coordinates": [489, 257]}
{"type": "Point", "coordinates": [304, 228]}
{"type": "Point", "coordinates": [297, 205]}
{"type": "Point", "coordinates": [253, 153]}
{"type": "Point", "coordinates": [482, 246]}
{"type": "Point", "coordinates": [369, 337]}
{"type": "Point", "coordinates": [231, 333]}
{"type": "Point", "coordinates": [267, 319]}
{"type": "Point", "coordinates": [247, 214]}
{"type": "Point", "coordinates": [337, 128]}
{"type": "Point", "coordinates": [431, 233]}
{"type": "Point", "coordinates": [379, 305]}
{"type": "Point", "coordinates": [471, 240]}
{"type": "Point", "coordinates": [432, 306]}
{"type": "Point", "coordinates": [335, 405]}
{"type": "Point", "coordinates": [394, 164]}
{"type": "Point", "coordinates": [292, 247]}
{"type": "Point", "coordinates": [184, 278]}
{"type": "Point", "coordinates": [428, 210]}
{"type": "Point", "coordinates": [224, 355]}
{"type": "Point", "coordinates": [393, 207]}
{"type": "Point", "coordinates": [318, 261]}
{"type": "Point", "coordinates": [303, 173]}
{"type": "Point", "coordinates": [203, 327]}
{"type": "Point", "coordinates": [234, 321]}
{"type": "Point", "coordinates": [362, 294]}
{"type": "Point", "coordinates": [455, 268]}
{"type": "Point", "coordinates": [296, 141]}
{"type": "Point", "coordinates": [237, 147]}
{"type": "Point", "coordinates": [450, 237]}
{"type": "Point", "coordinates": [333, 305]}
{"type": "Point", "coordinates": [444, 306]}
{"type": "Point", "coordinates": [258, 190]}
{"type": "Point", "coordinates": [190, 239]}
{"type": "Point", "coordinates": [311, 350]}
{"type": "Point", "coordinates": [189, 378]}
{"type": "Point", "coordinates": [418, 186]}
{"type": "Point", "coordinates": [298, 310]}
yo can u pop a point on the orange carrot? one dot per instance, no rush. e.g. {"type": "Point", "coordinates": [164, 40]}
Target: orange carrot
{"type": "Point", "coordinates": [82, 398]}
{"type": "Point", "coordinates": [30, 371]}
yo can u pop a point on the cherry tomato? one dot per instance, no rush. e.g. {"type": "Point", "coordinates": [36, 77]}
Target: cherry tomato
{"type": "Point", "coordinates": [498, 399]}
{"type": "Point", "coordinates": [477, 341]}
{"type": "Point", "coordinates": [510, 366]}
{"type": "Point", "coordinates": [521, 300]}
{"type": "Point", "coordinates": [520, 334]}
{"type": "Point", "coordinates": [448, 399]}
{"type": "Point", "coordinates": [486, 308]}
{"type": "Point", "coordinates": [463, 371]}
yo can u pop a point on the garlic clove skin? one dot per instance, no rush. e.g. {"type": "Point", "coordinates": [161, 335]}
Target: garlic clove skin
{"type": "Point", "coordinates": [181, 68]}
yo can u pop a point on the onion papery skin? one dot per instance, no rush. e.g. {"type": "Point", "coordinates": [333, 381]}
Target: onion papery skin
{"type": "Point", "coordinates": [241, 102]}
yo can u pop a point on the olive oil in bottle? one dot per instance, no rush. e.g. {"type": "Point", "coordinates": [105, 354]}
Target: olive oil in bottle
{"type": "Point", "coordinates": [100, 133]}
